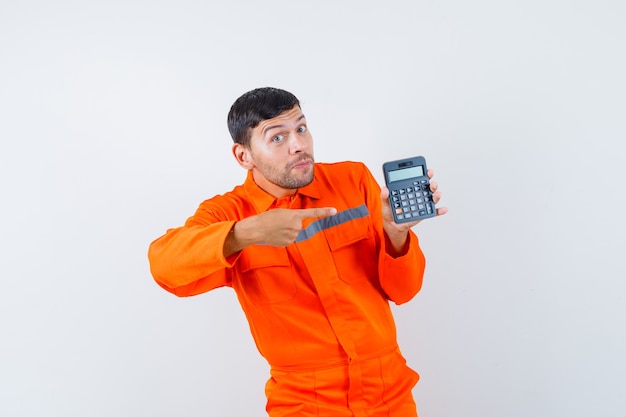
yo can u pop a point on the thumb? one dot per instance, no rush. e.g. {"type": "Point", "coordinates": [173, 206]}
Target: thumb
{"type": "Point", "coordinates": [318, 212]}
{"type": "Point", "coordinates": [384, 193]}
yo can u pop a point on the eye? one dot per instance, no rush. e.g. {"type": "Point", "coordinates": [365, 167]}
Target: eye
{"type": "Point", "coordinates": [278, 138]}
{"type": "Point", "coordinates": [302, 129]}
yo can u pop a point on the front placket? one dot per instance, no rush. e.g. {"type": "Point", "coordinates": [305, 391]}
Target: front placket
{"type": "Point", "coordinates": [318, 260]}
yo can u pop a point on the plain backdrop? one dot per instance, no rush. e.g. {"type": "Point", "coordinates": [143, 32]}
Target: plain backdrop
{"type": "Point", "coordinates": [113, 129]}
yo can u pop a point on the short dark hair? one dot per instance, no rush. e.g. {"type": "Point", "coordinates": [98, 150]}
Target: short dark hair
{"type": "Point", "coordinates": [255, 106]}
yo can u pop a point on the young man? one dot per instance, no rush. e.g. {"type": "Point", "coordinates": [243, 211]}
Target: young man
{"type": "Point", "coordinates": [314, 256]}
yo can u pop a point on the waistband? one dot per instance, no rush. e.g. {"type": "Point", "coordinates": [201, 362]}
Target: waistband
{"type": "Point", "coordinates": [346, 375]}
{"type": "Point", "coordinates": [338, 362]}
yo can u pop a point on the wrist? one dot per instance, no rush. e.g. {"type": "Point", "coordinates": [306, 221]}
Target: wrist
{"type": "Point", "coordinates": [238, 238]}
{"type": "Point", "coordinates": [397, 242]}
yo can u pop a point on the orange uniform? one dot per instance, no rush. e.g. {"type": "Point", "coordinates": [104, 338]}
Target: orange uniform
{"type": "Point", "coordinates": [318, 309]}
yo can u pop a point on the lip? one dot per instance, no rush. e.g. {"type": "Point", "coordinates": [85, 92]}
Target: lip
{"type": "Point", "coordinates": [302, 164]}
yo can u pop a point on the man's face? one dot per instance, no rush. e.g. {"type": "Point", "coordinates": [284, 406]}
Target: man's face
{"type": "Point", "coordinates": [281, 153]}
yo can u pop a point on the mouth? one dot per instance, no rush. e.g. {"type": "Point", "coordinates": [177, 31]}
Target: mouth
{"type": "Point", "coordinates": [302, 164]}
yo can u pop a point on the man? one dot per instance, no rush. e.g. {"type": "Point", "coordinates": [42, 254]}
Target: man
{"type": "Point", "coordinates": [314, 256]}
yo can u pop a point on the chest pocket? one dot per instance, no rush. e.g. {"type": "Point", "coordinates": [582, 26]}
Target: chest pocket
{"type": "Point", "coordinates": [353, 248]}
{"type": "Point", "coordinates": [266, 275]}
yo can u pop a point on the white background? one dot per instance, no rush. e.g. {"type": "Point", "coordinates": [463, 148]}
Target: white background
{"type": "Point", "coordinates": [112, 127]}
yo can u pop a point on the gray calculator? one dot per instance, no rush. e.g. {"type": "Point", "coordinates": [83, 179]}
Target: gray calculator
{"type": "Point", "coordinates": [409, 189]}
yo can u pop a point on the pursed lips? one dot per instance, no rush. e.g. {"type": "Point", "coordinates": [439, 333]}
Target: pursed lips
{"type": "Point", "coordinates": [303, 163]}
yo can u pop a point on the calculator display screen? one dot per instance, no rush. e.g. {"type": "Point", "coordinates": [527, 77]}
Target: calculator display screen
{"type": "Point", "coordinates": [402, 174]}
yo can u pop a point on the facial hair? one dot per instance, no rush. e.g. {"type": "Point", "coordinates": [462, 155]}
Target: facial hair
{"type": "Point", "coordinates": [284, 178]}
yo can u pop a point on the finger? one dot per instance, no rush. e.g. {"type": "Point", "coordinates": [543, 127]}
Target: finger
{"type": "Point", "coordinates": [433, 186]}
{"type": "Point", "coordinates": [437, 197]}
{"type": "Point", "coordinates": [441, 211]}
{"type": "Point", "coordinates": [431, 173]}
{"type": "Point", "coordinates": [317, 212]}
{"type": "Point", "coordinates": [384, 193]}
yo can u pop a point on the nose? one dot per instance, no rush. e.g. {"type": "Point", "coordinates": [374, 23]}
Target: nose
{"type": "Point", "coordinates": [297, 144]}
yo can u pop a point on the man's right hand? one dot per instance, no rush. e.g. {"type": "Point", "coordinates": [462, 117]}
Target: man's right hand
{"type": "Point", "coordinates": [278, 227]}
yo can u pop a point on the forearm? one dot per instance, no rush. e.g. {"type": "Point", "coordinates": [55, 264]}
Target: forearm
{"type": "Point", "coordinates": [243, 233]}
{"type": "Point", "coordinates": [187, 254]}
{"type": "Point", "coordinates": [401, 276]}
{"type": "Point", "coordinates": [396, 241]}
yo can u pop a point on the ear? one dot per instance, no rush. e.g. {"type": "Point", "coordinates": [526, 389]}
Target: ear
{"type": "Point", "coordinates": [243, 156]}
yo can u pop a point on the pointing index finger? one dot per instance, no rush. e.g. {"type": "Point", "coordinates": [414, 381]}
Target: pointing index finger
{"type": "Point", "coordinates": [318, 212]}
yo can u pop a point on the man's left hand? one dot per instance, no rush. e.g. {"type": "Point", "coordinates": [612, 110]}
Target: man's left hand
{"type": "Point", "coordinates": [398, 232]}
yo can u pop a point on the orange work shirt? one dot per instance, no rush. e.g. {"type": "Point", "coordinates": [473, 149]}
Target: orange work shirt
{"type": "Point", "coordinates": [322, 300]}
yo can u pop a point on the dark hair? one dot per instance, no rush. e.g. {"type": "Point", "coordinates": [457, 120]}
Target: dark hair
{"type": "Point", "coordinates": [255, 106]}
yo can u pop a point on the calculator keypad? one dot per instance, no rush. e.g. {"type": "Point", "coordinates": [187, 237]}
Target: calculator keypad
{"type": "Point", "coordinates": [412, 202]}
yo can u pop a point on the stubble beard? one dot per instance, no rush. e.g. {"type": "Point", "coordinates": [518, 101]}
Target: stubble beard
{"type": "Point", "coordinates": [285, 178]}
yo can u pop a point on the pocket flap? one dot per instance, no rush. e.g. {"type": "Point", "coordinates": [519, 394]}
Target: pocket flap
{"type": "Point", "coordinates": [263, 256]}
{"type": "Point", "coordinates": [348, 233]}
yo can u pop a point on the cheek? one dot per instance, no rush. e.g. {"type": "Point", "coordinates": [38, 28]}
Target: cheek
{"type": "Point", "coordinates": [269, 161]}
{"type": "Point", "coordinates": [309, 142]}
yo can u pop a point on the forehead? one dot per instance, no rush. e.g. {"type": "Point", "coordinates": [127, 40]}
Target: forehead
{"type": "Point", "coordinates": [287, 118]}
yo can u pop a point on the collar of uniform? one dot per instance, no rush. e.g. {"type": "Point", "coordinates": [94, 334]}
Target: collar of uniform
{"type": "Point", "coordinates": [262, 200]}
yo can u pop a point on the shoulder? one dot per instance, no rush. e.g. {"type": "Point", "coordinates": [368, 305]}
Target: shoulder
{"type": "Point", "coordinates": [343, 171]}
{"type": "Point", "coordinates": [347, 175]}
{"type": "Point", "coordinates": [342, 168]}
{"type": "Point", "coordinates": [221, 207]}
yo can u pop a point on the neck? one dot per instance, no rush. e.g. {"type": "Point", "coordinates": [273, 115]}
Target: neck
{"type": "Point", "coordinates": [272, 189]}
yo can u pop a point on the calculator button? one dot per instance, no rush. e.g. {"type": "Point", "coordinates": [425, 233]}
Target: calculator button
{"type": "Point", "coordinates": [398, 210]}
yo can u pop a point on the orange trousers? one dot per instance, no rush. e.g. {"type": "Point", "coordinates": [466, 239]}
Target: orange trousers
{"type": "Point", "coordinates": [375, 387]}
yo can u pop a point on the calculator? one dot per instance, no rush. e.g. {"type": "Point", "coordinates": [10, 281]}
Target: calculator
{"type": "Point", "coordinates": [409, 189]}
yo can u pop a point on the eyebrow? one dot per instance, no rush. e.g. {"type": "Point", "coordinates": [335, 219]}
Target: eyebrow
{"type": "Point", "coordinates": [272, 127]}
